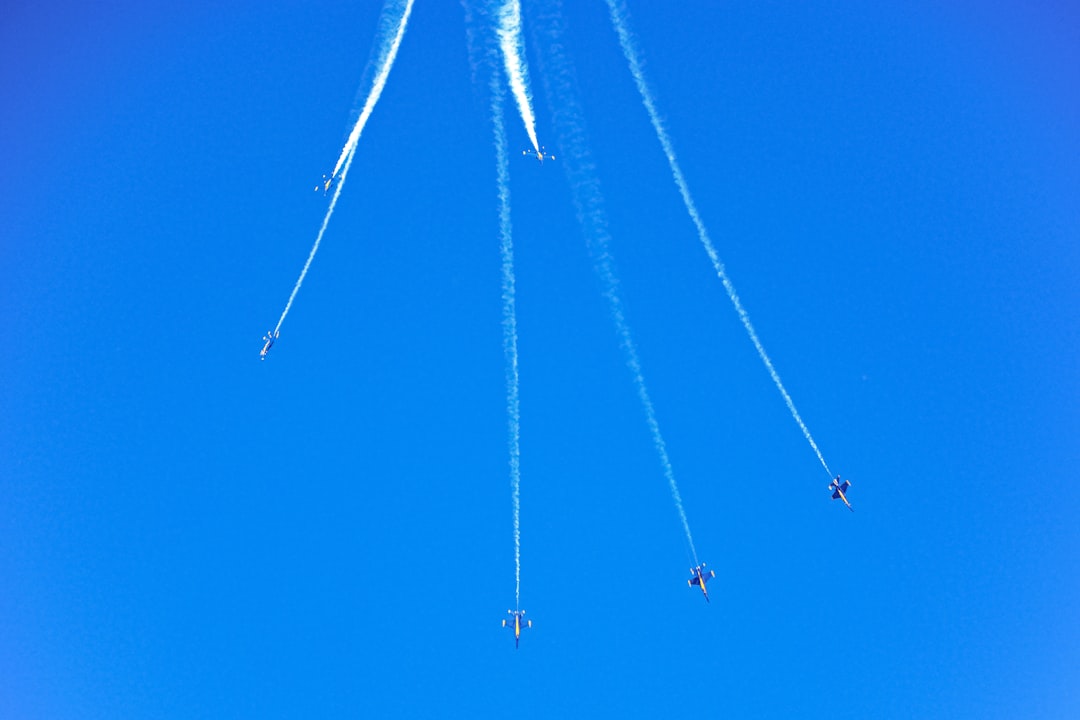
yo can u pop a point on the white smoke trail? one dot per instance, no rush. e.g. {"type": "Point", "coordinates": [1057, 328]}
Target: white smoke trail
{"type": "Point", "coordinates": [318, 241]}
{"type": "Point", "coordinates": [386, 61]}
{"type": "Point", "coordinates": [509, 324]}
{"type": "Point", "coordinates": [513, 51]}
{"type": "Point", "coordinates": [589, 203]}
{"type": "Point", "coordinates": [618, 19]}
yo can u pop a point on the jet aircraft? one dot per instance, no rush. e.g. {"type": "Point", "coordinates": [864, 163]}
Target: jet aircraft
{"type": "Point", "coordinates": [541, 155]}
{"type": "Point", "coordinates": [269, 339]}
{"type": "Point", "coordinates": [700, 577]}
{"type": "Point", "coordinates": [840, 491]}
{"type": "Point", "coordinates": [327, 181]}
{"type": "Point", "coordinates": [517, 623]}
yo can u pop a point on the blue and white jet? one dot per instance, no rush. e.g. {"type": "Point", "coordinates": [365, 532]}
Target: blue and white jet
{"type": "Point", "coordinates": [540, 154]}
{"type": "Point", "coordinates": [517, 623]}
{"type": "Point", "coordinates": [269, 339]}
{"type": "Point", "coordinates": [700, 577]}
{"type": "Point", "coordinates": [839, 491]}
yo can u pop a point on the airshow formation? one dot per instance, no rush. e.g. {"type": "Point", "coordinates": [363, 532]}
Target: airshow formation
{"type": "Point", "coordinates": [502, 42]}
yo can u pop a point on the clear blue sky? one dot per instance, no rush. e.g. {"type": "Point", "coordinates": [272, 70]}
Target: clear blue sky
{"type": "Point", "coordinates": [188, 532]}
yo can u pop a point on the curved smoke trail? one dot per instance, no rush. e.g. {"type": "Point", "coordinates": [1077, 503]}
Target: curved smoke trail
{"type": "Point", "coordinates": [589, 203]}
{"type": "Point", "coordinates": [513, 51]}
{"type": "Point", "coordinates": [618, 19]}
{"type": "Point", "coordinates": [386, 61]}
{"type": "Point", "coordinates": [509, 324]}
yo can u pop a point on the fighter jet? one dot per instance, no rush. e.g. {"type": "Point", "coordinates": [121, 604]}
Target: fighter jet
{"type": "Point", "coordinates": [700, 577]}
{"type": "Point", "coordinates": [327, 181]}
{"type": "Point", "coordinates": [839, 491]}
{"type": "Point", "coordinates": [541, 155]}
{"type": "Point", "coordinates": [269, 339]}
{"type": "Point", "coordinates": [517, 623]}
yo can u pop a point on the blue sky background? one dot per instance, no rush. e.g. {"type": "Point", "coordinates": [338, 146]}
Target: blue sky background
{"type": "Point", "coordinates": [188, 532]}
